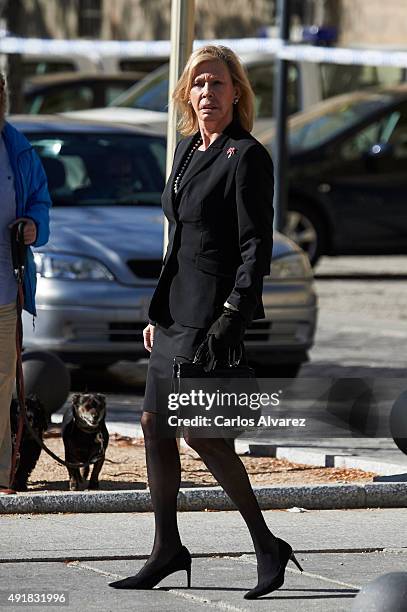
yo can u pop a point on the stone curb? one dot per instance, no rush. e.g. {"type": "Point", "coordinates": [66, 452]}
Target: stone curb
{"type": "Point", "coordinates": [326, 459]}
{"type": "Point", "coordinates": [313, 497]}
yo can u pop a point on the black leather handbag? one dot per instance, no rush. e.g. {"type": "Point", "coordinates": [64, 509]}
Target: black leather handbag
{"type": "Point", "coordinates": [225, 376]}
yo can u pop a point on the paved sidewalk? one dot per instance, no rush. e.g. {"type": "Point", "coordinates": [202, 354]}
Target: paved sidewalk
{"type": "Point", "coordinates": [379, 455]}
{"type": "Point", "coordinates": [340, 550]}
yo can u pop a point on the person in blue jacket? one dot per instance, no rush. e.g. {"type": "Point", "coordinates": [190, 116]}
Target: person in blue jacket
{"type": "Point", "coordinates": [24, 197]}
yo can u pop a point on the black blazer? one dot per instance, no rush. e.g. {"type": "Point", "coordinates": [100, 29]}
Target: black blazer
{"type": "Point", "coordinates": [220, 232]}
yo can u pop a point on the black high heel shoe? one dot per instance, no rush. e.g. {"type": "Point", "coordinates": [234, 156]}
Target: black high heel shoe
{"type": "Point", "coordinates": [181, 561]}
{"type": "Point", "coordinates": [277, 580]}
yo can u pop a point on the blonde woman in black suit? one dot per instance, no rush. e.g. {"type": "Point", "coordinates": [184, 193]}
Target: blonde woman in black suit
{"type": "Point", "coordinates": [219, 204]}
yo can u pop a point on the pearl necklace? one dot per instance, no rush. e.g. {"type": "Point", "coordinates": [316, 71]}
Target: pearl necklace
{"type": "Point", "coordinates": [185, 164]}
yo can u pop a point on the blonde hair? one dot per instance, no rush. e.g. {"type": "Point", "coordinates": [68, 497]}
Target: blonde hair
{"type": "Point", "coordinates": [243, 110]}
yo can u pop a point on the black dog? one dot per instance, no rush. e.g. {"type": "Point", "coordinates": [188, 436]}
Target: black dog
{"type": "Point", "coordinates": [85, 438]}
{"type": "Point", "coordinates": [30, 450]}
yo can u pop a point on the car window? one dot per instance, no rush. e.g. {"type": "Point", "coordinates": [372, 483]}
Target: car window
{"type": "Point", "coordinates": [151, 93]}
{"type": "Point", "coordinates": [160, 154]}
{"type": "Point", "coordinates": [70, 98]}
{"type": "Point", "coordinates": [329, 119]}
{"type": "Point", "coordinates": [390, 129]}
{"type": "Point", "coordinates": [397, 137]}
{"type": "Point", "coordinates": [337, 78]}
{"type": "Point", "coordinates": [262, 78]}
{"type": "Point", "coordinates": [145, 65]}
{"type": "Point", "coordinates": [101, 170]}
{"type": "Point", "coordinates": [31, 68]}
{"type": "Point", "coordinates": [114, 90]}
{"type": "Point", "coordinates": [363, 141]}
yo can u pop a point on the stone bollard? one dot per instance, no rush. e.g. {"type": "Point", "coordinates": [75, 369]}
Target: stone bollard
{"type": "Point", "coordinates": [387, 593]}
{"type": "Point", "coordinates": [47, 377]}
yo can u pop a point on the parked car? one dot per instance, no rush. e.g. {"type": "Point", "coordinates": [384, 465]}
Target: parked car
{"type": "Point", "coordinates": [132, 63]}
{"type": "Point", "coordinates": [36, 65]}
{"type": "Point", "coordinates": [308, 83]}
{"type": "Point", "coordinates": [40, 64]}
{"type": "Point", "coordinates": [68, 91]}
{"type": "Point", "coordinates": [146, 102]}
{"type": "Point", "coordinates": [97, 274]}
{"type": "Point", "coordinates": [348, 174]}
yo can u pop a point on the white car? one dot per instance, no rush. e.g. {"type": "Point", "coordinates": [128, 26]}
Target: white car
{"type": "Point", "coordinates": [146, 102]}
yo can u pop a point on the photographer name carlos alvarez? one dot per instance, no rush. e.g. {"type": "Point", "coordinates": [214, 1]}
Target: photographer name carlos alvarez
{"type": "Point", "coordinates": [221, 420]}
{"type": "Point", "coordinates": [226, 407]}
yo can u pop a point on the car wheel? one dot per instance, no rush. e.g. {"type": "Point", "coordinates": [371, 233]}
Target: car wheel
{"type": "Point", "coordinates": [306, 227]}
{"type": "Point", "coordinates": [398, 422]}
{"type": "Point", "coordinates": [402, 444]}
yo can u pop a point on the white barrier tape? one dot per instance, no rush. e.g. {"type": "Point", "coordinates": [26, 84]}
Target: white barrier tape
{"type": "Point", "coordinates": [38, 46]}
{"type": "Point", "coordinates": [244, 45]}
{"type": "Point", "coordinates": [120, 48]}
{"type": "Point", "coordinates": [161, 48]}
{"type": "Point", "coordinates": [339, 55]}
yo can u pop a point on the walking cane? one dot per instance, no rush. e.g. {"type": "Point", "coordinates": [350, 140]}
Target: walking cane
{"type": "Point", "coordinates": [18, 252]}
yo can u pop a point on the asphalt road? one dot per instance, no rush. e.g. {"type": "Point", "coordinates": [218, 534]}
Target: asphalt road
{"type": "Point", "coordinates": [362, 327]}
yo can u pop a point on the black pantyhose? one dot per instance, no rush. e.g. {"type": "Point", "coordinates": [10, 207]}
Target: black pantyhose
{"type": "Point", "coordinates": [228, 469]}
{"type": "Point", "coordinates": [164, 479]}
{"type": "Point", "coordinates": [164, 474]}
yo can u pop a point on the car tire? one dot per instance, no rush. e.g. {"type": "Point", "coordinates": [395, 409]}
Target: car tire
{"type": "Point", "coordinates": [306, 227]}
{"type": "Point", "coordinates": [401, 443]}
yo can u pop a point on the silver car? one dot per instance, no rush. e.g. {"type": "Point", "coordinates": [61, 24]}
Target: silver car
{"type": "Point", "coordinates": [97, 274]}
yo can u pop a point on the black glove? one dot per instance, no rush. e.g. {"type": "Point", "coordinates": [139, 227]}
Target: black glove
{"type": "Point", "coordinates": [228, 329]}
{"type": "Point", "coordinates": [222, 341]}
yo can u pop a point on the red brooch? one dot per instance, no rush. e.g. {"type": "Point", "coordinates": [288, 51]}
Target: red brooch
{"type": "Point", "coordinates": [231, 151]}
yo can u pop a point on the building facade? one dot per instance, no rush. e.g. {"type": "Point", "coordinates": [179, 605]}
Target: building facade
{"type": "Point", "coordinates": [359, 22]}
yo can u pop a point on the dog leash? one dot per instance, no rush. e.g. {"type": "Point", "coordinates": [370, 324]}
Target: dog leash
{"type": "Point", "coordinates": [18, 253]}
{"type": "Point", "coordinates": [70, 464]}
{"type": "Point", "coordinates": [38, 440]}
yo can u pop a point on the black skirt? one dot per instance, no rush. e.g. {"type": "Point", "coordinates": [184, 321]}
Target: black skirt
{"type": "Point", "coordinates": [169, 342]}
